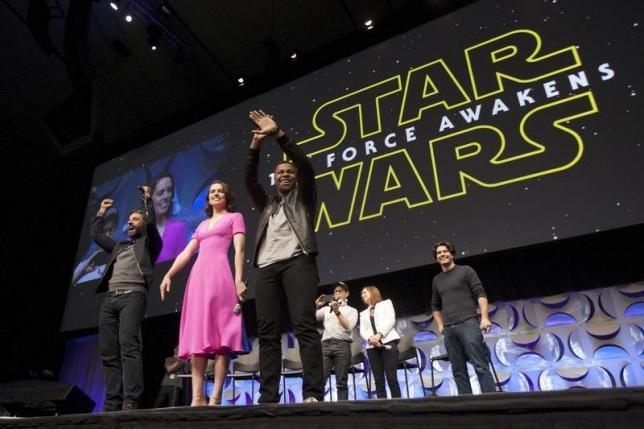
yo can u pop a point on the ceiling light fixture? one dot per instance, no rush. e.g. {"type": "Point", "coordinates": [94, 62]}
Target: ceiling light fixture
{"type": "Point", "coordinates": [154, 36]}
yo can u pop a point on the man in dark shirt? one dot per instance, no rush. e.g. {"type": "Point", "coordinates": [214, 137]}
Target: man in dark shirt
{"type": "Point", "coordinates": [171, 389]}
{"type": "Point", "coordinates": [456, 293]}
{"type": "Point", "coordinates": [284, 253]}
{"type": "Point", "coordinates": [127, 277]}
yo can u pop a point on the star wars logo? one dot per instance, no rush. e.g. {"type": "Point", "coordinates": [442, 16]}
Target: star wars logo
{"type": "Point", "coordinates": [426, 136]}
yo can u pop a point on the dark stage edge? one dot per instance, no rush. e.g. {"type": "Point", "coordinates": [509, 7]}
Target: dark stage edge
{"type": "Point", "coordinates": [601, 408]}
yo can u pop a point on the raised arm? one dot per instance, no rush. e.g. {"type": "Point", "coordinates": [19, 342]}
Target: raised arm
{"type": "Point", "coordinates": [254, 188]}
{"type": "Point", "coordinates": [305, 174]}
{"type": "Point", "coordinates": [155, 242]}
{"type": "Point", "coordinates": [97, 231]}
{"type": "Point", "coordinates": [267, 126]}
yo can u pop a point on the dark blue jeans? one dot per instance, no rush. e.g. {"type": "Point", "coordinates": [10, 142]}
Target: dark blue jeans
{"type": "Point", "coordinates": [336, 355]}
{"type": "Point", "coordinates": [297, 280]}
{"type": "Point", "coordinates": [464, 342]}
{"type": "Point", "coordinates": [119, 341]}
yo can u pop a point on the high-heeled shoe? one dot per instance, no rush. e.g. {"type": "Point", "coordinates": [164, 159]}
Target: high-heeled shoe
{"type": "Point", "coordinates": [215, 400]}
{"type": "Point", "coordinates": [198, 401]}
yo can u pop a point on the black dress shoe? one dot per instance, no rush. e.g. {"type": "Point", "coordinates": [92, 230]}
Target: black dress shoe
{"type": "Point", "coordinates": [131, 406]}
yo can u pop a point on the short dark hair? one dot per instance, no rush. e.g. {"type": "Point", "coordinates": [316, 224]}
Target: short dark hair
{"type": "Point", "coordinates": [138, 211]}
{"type": "Point", "coordinates": [447, 244]}
{"type": "Point", "coordinates": [230, 197]}
{"type": "Point", "coordinates": [289, 162]}
{"type": "Point", "coordinates": [155, 182]}
{"type": "Point", "coordinates": [341, 285]}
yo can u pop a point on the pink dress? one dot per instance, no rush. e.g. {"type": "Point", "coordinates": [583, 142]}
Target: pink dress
{"type": "Point", "coordinates": [208, 323]}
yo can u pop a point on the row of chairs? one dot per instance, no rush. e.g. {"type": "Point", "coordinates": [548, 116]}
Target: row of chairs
{"type": "Point", "coordinates": [246, 367]}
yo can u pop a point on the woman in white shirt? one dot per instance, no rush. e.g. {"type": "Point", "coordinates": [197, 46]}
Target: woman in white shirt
{"type": "Point", "coordinates": [377, 328]}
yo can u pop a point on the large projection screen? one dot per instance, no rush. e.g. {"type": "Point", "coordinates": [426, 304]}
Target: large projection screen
{"type": "Point", "coordinates": [501, 125]}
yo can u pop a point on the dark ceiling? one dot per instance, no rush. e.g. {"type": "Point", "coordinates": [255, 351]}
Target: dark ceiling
{"type": "Point", "coordinates": [76, 74]}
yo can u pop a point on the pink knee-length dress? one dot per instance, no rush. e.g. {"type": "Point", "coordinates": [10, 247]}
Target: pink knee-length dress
{"type": "Point", "coordinates": [209, 325]}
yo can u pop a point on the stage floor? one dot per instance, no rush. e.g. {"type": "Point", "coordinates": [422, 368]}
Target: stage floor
{"type": "Point", "coordinates": [601, 408]}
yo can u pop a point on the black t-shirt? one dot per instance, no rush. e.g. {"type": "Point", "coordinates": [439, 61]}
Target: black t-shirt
{"type": "Point", "coordinates": [182, 368]}
{"type": "Point", "coordinates": [455, 294]}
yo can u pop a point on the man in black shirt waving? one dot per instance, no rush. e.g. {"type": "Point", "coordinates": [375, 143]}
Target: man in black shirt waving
{"type": "Point", "coordinates": [456, 293]}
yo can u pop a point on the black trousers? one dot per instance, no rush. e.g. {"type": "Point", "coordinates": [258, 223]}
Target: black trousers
{"type": "Point", "coordinates": [384, 361]}
{"type": "Point", "coordinates": [169, 396]}
{"type": "Point", "coordinates": [119, 342]}
{"type": "Point", "coordinates": [297, 280]}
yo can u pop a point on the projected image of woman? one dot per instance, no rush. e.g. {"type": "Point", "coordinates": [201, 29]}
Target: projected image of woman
{"type": "Point", "coordinates": [209, 324]}
{"type": "Point", "coordinates": [172, 231]}
{"type": "Point", "coordinates": [377, 328]}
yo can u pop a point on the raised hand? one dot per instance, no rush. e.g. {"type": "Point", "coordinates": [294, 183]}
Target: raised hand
{"type": "Point", "coordinates": [319, 302]}
{"type": "Point", "coordinates": [266, 126]}
{"type": "Point", "coordinates": [105, 205]}
{"type": "Point", "coordinates": [147, 191]}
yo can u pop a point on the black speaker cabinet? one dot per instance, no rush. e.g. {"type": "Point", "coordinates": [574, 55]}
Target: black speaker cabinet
{"type": "Point", "coordinates": [43, 398]}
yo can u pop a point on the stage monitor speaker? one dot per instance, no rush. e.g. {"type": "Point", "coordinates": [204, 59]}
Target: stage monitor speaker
{"type": "Point", "coordinates": [43, 398]}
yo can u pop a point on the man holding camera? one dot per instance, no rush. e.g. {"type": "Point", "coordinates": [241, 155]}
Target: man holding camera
{"type": "Point", "coordinates": [338, 319]}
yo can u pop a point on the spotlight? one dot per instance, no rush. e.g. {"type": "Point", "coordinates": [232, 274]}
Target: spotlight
{"type": "Point", "coordinates": [293, 56]}
{"type": "Point", "coordinates": [240, 81]}
{"type": "Point", "coordinates": [154, 36]}
{"type": "Point", "coordinates": [128, 17]}
{"type": "Point", "coordinates": [114, 4]}
{"type": "Point", "coordinates": [369, 24]}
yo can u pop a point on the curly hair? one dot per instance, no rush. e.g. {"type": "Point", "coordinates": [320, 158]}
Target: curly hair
{"type": "Point", "coordinates": [447, 244]}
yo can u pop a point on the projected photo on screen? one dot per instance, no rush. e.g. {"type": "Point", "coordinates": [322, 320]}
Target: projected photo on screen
{"type": "Point", "coordinates": [179, 184]}
{"type": "Point", "coordinates": [501, 125]}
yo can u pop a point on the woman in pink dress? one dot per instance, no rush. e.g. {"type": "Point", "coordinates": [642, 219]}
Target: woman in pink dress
{"type": "Point", "coordinates": [209, 324]}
